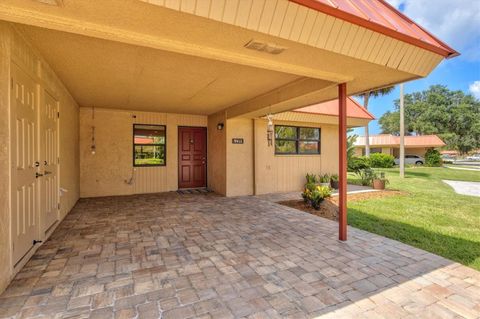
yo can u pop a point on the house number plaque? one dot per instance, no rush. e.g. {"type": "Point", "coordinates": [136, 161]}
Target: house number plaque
{"type": "Point", "coordinates": [237, 140]}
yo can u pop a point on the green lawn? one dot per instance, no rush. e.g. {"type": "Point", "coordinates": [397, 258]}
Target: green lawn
{"type": "Point", "coordinates": [430, 215]}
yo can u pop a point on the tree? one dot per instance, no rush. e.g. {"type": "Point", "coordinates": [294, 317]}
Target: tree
{"type": "Point", "coordinates": [453, 115]}
{"type": "Point", "coordinates": [366, 96]}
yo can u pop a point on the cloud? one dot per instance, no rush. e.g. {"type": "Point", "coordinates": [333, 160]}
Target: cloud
{"type": "Point", "coordinates": [475, 89]}
{"type": "Point", "coordinates": [455, 22]}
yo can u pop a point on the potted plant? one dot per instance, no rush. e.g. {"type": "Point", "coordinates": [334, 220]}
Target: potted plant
{"type": "Point", "coordinates": [334, 181]}
{"type": "Point", "coordinates": [379, 181]}
{"type": "Point", "coordinates": [324, 180]}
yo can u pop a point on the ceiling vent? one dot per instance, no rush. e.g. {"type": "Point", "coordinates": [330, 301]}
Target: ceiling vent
{"type": "Point", "coordinates": [57, 3]}
{"type": "Point", "coordinates": [265, 47]}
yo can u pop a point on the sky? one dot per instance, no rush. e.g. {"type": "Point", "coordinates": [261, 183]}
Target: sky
{"type": "Point", "coordinates": [455, 22]}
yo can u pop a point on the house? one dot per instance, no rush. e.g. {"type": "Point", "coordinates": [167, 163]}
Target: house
{"type": "Point", "coordinates": [390, 144]}
{"type": "Point", "coordinates": [153, 96]}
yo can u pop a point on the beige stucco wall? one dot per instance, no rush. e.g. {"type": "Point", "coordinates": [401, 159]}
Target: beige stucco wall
{"type": "Point", "coordinates": [13, 47]}
{"type": "Point", "coordinates": [285, 173]}
{"type": "Point", "coordinates": [217, 154]}
{"type": "Point", "coordinates": [240, 163]}
{"type": "Point", "coordinates": [106, 172]}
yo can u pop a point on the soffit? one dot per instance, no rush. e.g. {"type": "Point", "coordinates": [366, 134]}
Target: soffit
{"type": "Point", "coordinates": [111, 74]}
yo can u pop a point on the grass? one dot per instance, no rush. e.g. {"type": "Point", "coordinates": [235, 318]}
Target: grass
{"type": "Point", "coordinates": [148, 161]}
{"type": "Point", "coordinates": [430, 215]}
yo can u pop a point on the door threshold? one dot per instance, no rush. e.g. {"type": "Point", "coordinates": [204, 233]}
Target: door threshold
{"type": "Point", "coordinates": [195, 190]}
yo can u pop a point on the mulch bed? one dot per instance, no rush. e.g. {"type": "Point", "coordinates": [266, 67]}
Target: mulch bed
{"type": "Point", "coordinates": [329, 207]}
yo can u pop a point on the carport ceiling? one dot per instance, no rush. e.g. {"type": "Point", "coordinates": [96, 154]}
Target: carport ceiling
{"type": "Point", "coordinates": [111, 74]}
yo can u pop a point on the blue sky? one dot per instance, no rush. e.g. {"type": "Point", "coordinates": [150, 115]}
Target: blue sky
{"type": "Point", "coordinates": [456, 22]}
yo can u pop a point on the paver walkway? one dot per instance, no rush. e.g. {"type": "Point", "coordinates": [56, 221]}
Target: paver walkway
{"type": "Point", "coordinates": [465, 188]}
{"type": "Point", "coordinates": [205, 256]}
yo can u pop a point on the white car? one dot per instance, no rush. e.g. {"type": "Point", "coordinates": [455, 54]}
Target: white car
{"type": "Point", "coordinates": [411, 159]}
{"type": "Point", "coordinates": [474, 157]}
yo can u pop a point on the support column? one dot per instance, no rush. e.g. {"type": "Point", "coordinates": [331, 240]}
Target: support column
{"type": "Point", "coordinates": [342, 161]}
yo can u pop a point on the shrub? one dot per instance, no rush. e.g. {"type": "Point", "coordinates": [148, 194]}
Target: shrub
{"type": "Point", "coordinates": [325, 178]}
{"type": "Point", "coordinates": [357, 163]}
{"type": "Point", "coordinates": [311, 178]}
{"type": "Point", "coordinates": [433, 158]}
{"type": "Point", "coordinates": [380, 160]}
{"type": "Point", "coordinates": [316, 196]}
{"type": "Point", "coordinates": [366, 176]}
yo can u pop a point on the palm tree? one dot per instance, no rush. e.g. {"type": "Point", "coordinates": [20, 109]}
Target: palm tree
{"type": "Point", "coordinates": [366, 96]}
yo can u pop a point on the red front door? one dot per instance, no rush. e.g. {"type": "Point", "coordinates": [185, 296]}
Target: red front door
{"type": "Point", "coordinates": [192, 157]}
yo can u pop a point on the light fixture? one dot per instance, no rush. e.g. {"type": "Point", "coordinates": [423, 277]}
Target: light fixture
{"type": "Point", "coordinates": [271, 48]}
{"type": "Point", "coordinates": [270, 129]}
{"type": "Point", "coordinates": [220, 126]}
{"type": "Point", "coordinates": [93, 147]}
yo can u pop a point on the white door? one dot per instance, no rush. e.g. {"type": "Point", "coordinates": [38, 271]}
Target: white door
{"type": "Point", "coordinates": [48, 161]}
{"type": "Point", "coordinates": [24, 154]}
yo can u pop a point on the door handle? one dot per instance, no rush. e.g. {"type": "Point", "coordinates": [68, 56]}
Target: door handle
{"type": "Point", "coordinates": [37, 175]}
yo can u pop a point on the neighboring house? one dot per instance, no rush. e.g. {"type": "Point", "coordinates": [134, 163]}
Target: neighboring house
{"type": "Point", "coordinates": [194, 81]}
{"type": "Point", "coordinates": [390, 144]}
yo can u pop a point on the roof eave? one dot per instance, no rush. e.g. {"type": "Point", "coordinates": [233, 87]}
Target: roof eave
{"type": "Point", "coordinates": [447, 52]}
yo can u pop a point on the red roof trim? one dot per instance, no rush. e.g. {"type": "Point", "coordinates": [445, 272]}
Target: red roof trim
{"type": "Point", "coordinates": [443, 49]}
{"type": "Point", "coordinates": [350, 101]}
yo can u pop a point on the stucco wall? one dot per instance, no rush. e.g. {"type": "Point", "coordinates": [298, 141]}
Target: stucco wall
{"type": "Point", "coordinates": [106, 172]}
{"type": "Point", "coordinates": [217, 153]}
{"type": "Point", "coordinates": [240, 170]}
{"type": "Point", "coordinates": [13, 47]}
{"type": "Point", "coordinates": [285, 173]}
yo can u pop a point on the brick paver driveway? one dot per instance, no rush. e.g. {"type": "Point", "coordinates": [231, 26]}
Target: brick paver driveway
{"type": "Point", "coordinates": [204, 256]}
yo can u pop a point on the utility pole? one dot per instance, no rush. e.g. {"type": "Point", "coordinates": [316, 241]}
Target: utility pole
{"type": "Point", "coordinates": [402, 133]}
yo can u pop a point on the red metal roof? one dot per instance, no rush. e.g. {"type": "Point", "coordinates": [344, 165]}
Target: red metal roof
{"type": "Point", "coordinates": [410, 141]}
{"type": "Point", "coordinates": [379, 16]}
{"type": "Point", "coordinates": [331, 108]}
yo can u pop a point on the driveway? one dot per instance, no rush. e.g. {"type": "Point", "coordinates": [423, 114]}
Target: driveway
{"type": "Point", "coordinates": [465, 188]}
{"type": "Point", "coordinates": [206, 256]}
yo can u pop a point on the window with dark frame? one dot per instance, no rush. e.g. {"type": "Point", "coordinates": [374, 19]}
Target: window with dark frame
{"type": "Point", "coordinates": [149, 145]}
{"type": "Point", "coordinates": [297, 140]}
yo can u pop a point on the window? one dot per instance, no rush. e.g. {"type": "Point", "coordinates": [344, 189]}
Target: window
{"type": "Point", "coordinates": [149, 143]}
{"type": "Point", "coordinates": [297, 140]}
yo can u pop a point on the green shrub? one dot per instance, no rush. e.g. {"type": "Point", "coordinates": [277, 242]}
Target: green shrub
{"type": "Point", "coordinates": [311, 178]}
{"type": "Point", "coordinates": [380, 160]}
{"type": "Point", "coordinates": [316, 196]}
{"type": "Point", "coordinates": [366, 176]}
{"type": "Point", "coordinates": [325, 178]}
{"type": "Point", "coordinates": [433, 158]}
{"type": "Point", "coordinates": [357, 163]}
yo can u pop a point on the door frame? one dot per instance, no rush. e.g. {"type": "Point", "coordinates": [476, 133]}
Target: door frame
{"type": "Point", "coordinates": [205, 128]}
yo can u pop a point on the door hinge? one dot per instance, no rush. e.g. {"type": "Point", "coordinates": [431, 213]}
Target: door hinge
{"type": "Point", "coordinates": [58, 205]}
{"type": "Point", "coordinates": [58, 160]}
{"type": "Point", "coordinates": [58, 114]}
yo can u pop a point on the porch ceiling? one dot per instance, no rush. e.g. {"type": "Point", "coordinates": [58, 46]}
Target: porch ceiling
{"type": "Point", "coordinates": [141, 56]}
{"type": "Point", "coordinates": [112, 74]}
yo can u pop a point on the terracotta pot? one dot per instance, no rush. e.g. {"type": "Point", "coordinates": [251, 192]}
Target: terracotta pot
{"type": "Point", "coordinates": [334, 184]}
{"type": "Point", "coordinates": [378, 184]}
